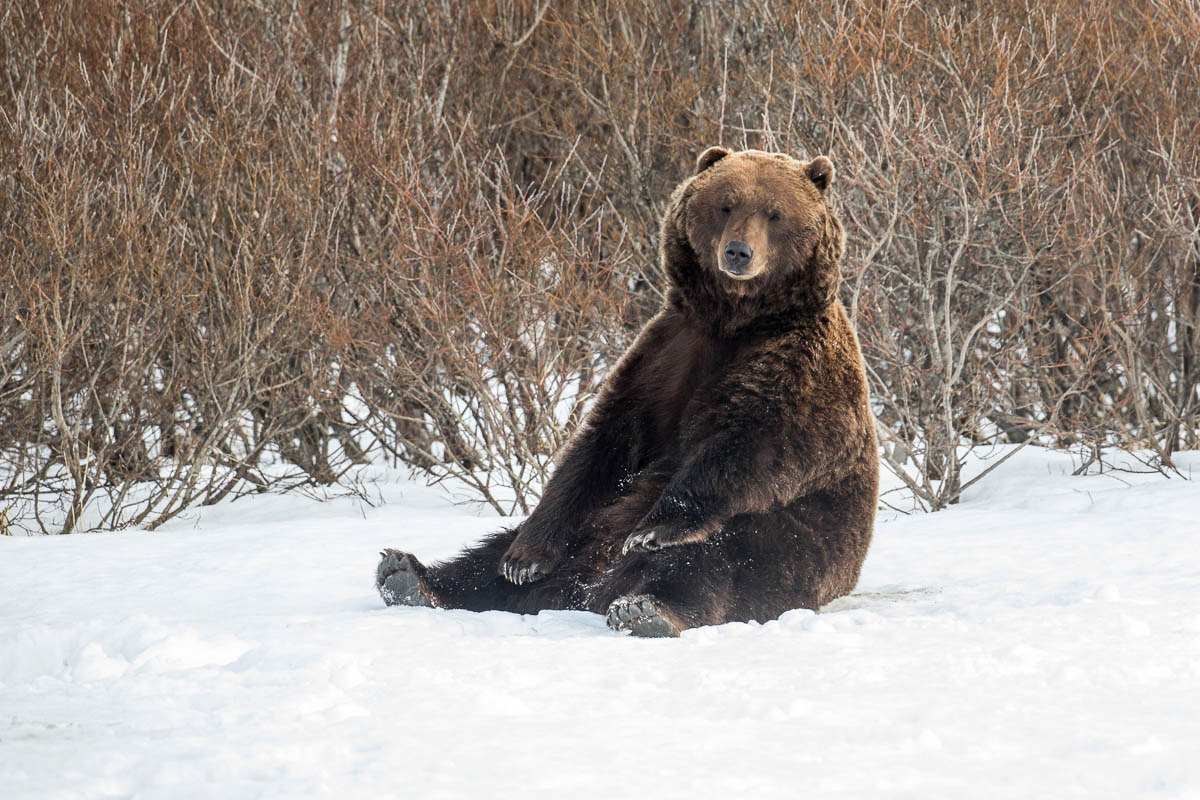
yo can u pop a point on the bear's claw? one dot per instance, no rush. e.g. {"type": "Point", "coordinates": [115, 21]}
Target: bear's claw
{"type": "Point", "coordinates": [513, 572]}
{"type": "Point", "coordinates": [640, 615]}
{"type": "Point", "coordinates": [528, 560]}
{"type": "Point", "coordinates": [398, 579]}
{"type": "Point", "coordinates": [646, 541]}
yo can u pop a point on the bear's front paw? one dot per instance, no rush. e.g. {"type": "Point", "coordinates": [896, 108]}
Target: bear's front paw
{"type": "Point", "coordinates": [527, 560]}
{"type": "Point", "coordinates": [648, 540]}
{"type": "Point", "coordinates": [645, 541]}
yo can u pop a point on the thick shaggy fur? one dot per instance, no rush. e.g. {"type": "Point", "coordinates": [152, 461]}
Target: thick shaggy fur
{"type": "Point", "coordinates": [728, 470]}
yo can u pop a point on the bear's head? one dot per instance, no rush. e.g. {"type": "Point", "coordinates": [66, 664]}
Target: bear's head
{"type": "Point", "coordinates": [751, 232]}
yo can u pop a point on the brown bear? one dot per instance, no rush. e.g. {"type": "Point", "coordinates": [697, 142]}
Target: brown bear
{"type": "Point", "coordinates": [728, 469]}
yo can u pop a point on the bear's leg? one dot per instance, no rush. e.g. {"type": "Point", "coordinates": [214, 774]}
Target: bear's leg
{"type": "Point", "coordinates": [470, 581]}
{"type": "Point", "coordinates": [665, 592]}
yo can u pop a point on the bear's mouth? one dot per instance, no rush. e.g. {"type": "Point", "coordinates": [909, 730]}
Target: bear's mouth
{"type": "Point", "coordinates": [740, 273]}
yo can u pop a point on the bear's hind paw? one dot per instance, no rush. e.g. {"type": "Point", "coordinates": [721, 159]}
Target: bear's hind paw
{"type": "Point", "coordinates": [640, 615]}
{"type": "Point", "coordinates": [398, 579]}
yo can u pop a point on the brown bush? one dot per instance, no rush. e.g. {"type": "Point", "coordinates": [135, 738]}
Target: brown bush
{"type": "Point", "coordinates": [246, 246]}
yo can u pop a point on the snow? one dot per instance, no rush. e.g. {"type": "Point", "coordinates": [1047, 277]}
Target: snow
{"type": "Point", "coordinates": [1042, 638]}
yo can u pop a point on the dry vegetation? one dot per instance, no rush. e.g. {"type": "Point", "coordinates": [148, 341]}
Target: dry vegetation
{"type": "Point", "coordinates": [247, 245]}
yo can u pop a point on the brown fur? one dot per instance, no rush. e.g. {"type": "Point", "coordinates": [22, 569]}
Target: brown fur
{"type": "Point", "coordinates": [731, 452]}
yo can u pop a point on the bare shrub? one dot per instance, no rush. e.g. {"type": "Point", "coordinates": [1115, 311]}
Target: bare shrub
{"type": "Point", "coordinates": [249, 246]}
{"type": "Point", "coordinates": [492, 331]}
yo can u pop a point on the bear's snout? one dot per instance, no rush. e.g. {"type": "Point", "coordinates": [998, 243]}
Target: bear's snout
{"type": "Point", "coordinates": [737, 256]}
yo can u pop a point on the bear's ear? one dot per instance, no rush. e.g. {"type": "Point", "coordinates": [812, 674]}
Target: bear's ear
{"type": "Point", "coordinates": [820, 172]}
{"type": "Point", "coordinates": [709, 157]}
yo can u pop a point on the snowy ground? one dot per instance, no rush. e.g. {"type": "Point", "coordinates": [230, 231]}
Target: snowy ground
{"type": "Point", "coordinates": [1041, 639]}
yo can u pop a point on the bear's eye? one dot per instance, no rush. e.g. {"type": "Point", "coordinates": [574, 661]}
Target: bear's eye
{"type": "Point", "coordinates": [774, 217]}
{"type": "Point", "coordinates": [727, 209]}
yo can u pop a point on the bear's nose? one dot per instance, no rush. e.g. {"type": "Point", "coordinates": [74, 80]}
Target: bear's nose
{"type": "Point", "coordinates": [737, 255]}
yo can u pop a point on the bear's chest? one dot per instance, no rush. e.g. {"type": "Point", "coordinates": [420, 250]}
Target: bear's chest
{"type": "Point", "coordinates": [687, 364]}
